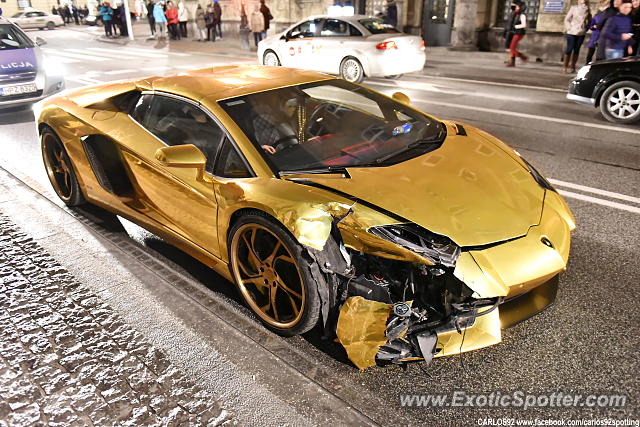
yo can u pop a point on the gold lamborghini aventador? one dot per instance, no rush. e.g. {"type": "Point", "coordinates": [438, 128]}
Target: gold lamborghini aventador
{"type": "Point", "coordinates": [404, 236]}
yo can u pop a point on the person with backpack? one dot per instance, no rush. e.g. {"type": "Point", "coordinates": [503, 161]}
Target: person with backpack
{"type": "Point", "coordinates": [517, 27]}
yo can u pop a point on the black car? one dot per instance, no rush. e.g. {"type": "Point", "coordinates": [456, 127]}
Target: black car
{"type": "Point", "coordinates": [613, 86]}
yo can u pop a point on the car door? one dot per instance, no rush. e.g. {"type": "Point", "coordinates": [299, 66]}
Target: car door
{"type": "Point", "coordinates": [337, 39]}
{"type": "Point", "coordinates": [27, 20]}
{"type": "Point", "coordinates": [298, 45]}
{"type": "Point", "coordinates": [182, 202]}
{"type": "Point", "coordinates": [39, 20]}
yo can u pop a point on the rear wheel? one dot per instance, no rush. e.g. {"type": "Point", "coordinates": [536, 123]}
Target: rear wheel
{"type": "Point", "coordinates": [270, 59]}
{"type": "Point", "coordinates": [620, 103]}
{"type": "Point", "coordinates": [59, 169]}
{"type": "Point", "coordinates": [351, 70]}
{"type": "Point", "coordinates": [273, 275]}
{"type": "Point", "coordinates": [51, 26]}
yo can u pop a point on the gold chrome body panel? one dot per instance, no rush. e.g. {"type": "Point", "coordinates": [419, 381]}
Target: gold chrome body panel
{"type": "Point", "coordinates": [474, 190]}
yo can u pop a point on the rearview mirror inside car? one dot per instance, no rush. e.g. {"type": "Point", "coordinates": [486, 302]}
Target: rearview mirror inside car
{"type": "Point", "coordinates": [402, 98]}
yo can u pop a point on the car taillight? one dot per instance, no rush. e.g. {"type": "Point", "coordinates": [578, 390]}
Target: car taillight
{"type": "Point", "coordinates": [387, 45]}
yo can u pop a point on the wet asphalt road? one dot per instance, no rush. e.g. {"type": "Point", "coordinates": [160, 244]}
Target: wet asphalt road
{"type": "Point", "coordinates": [586, 343]}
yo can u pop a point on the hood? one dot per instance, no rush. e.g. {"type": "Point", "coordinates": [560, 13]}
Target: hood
{"type": "Point", "coordinates": [469, 190]}
{"type": "Point", "coordinates": [18, 61]}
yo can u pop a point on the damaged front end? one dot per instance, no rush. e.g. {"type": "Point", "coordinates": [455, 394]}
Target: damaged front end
{"type": "Point", "coordinates": [404, 294]}
{"type": "Point", "coordinates": [394, 311]}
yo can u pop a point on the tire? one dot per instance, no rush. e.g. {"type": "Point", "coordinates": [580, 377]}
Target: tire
{"type": "Point", "coordinates": [270, 59]}
{"type": "Point", "coordinates": [51, 26]}
{"type": "Point", "coordinates": [274, 272]}
{"type": "Point", "coordinates": [351, 70]}
{"type": "Point", "coordinates": [60, 169]}
{"type": "Point", "coordinates": [620, 103]}
{"type": "Point", "coordinates": [394, 76]}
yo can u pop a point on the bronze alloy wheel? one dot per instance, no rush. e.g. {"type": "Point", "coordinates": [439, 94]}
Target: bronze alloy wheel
{"type": "Point", "coordinates": [278, 278]}
{"type": "Point", "coordinates": [59, 169]}
{"type": "Point", "coordinates": [268, 276]}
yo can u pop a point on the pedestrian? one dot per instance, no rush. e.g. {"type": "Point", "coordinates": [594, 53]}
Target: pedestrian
{"type": "Point", "coordinates": [616, 33]}
{"type": "Point", "coordinates": [209, 18]}
{"type": "Point", "coordinates": [595, 32]}
{"type": "Point", "coordinates": [107, 15]}
{"type": "Point", "coordinates": [517, 26]}
{"type": "Point", "coordinates": [66, 14]}
{"type": "Point", "coordinates": [201, 23]}
{"type": "Point", "coordinates": [150, 18]}
{"type": "Point", "coordinates": [610, 11]}
{"type": "Point", "coordinates": [122, 20]}
{"type": "Point", "coordinates": [54, 11]}
{"type": "Point", "coordinates": [217, 16]}
{"type": "Point", "coordinates": [84, 12]}
{"type": "Point", "coordinates": [635, 27]}
{"type": "Point", "coordinates": [74, 12]}
{"type": "Point", "coordinates": [266, 13]}
{"type": "Point", "coordinates": [172, 21]}
{"type": "Point", "coordinates": [61, 14]}
{"type": "Point", "coordinates": [183, 18]}
{"type": "Point", "coordinates": [257, 25]}
{"type": "Point", "coordinates": [160, 20]}
{"type": "Point", "coordinates": [391, 15]}
{"type": "Point", "coordinates": [576, 23]}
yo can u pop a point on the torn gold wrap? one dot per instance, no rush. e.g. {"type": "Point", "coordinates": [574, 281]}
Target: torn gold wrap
{"type": "Point", "coordinates": [361, 329]}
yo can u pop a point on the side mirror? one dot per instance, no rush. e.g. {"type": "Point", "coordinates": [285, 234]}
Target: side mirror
{"type": "Point", "coordinates": [40, 41]}
{"type": "Point", "coordinates": [182, 156]}
{"type": "Point", "coordinates": [401, 98]}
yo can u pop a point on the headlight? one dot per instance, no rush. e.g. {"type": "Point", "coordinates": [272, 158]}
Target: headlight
{"type": "Point", "coordinates": [582, 72]}
{"type": "Point", "coordinates": [541, 180]}
{"type": "Point", "coordinates": [439, 249]}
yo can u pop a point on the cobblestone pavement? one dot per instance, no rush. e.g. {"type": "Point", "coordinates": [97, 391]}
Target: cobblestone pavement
{"type": "Point", "coordinates": [66, 358]}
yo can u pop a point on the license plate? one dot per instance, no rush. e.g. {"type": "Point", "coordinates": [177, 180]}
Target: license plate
{"type": "Point", "coordinates": [17, 90]}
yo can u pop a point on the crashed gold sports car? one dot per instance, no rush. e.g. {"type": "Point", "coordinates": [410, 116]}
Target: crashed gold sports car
{"type": "Point", "coordinates": [403, 236]}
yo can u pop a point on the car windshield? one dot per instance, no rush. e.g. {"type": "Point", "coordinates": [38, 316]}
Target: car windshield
{"type": "Point", "coordinates": [332, 125]}
{"type": "Point", "coordinates": [12, 38]}
{"type": "Point", "coordinates": [377, 26]}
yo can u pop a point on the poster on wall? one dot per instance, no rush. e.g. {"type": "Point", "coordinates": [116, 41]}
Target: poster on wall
{"type": "Point", "coordinates": [24, 4]}
{"type": "Point", "coordinates": [553, 6]}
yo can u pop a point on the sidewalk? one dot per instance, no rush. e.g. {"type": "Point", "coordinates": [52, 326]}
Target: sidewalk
{"type": "Point", "coordinates": [66, 358]}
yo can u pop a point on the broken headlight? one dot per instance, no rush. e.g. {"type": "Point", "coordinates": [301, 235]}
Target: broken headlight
{"type": "Point", "coordinates": [541, 180]}
{"type": "Point", "coordinates": [439, 249]}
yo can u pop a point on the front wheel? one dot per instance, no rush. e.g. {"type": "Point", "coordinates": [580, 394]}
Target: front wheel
{"type": "Point", "coordinates": [620, 103]}
{"type": "Point", "coordinates": [351, 70]}
{"type": "Point", "coordinates": [273, 275]}
{"type": "Point", "coordinates": [51, 26]}
{"type": "Point", "coordinates": [270, 59]}
{"type": "Point", "coordinates": [59, 169]}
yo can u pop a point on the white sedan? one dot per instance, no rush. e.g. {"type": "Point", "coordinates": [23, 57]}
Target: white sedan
{"type": "Point", "coordinates": [37, 19]}
{"type": "Point", "coordinates": [350, 46]}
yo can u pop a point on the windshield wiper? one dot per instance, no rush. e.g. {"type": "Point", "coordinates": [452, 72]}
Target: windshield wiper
{"type": "Point", "coordinates": [319, 171]}
{"type": "Point", "coordinates": [422, 143]}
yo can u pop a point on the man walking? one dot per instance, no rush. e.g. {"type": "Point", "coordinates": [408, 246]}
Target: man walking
{"type": "Point", "coordinates": [616, 33]}
{"type": "Point", "coordinates": [217, 16]}
{"type": "Point", "coordinates": [391, 16]}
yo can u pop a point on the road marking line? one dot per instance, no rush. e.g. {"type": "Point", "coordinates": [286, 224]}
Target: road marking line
{"type": "Point", "coordinates": [155, 68]}
{"type": "Point", "coordinates": [595, 191]}
{"type": "Point", "coordinates": [597, 201]}
{"type": "Point", "coordinates": [119, 54]}
{"type": "Point", "coordinates": [113, 72]}
{"type": "Point", "coordinates": [163, 52]}
{"type": "Point", "coordinates": [101, 53]}
{"type": "Point", "coordinates": [456, 79]}
{"type": "Point", "coordinates": [532, 116]}
{"type": "Point", "coordinates": [83, 81]}
{"type": "Point", "coordinates": [62, 59]}
{"type": "Point", "coordinates": [83, 57]}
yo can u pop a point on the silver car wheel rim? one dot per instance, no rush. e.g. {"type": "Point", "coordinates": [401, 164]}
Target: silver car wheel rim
{"type": "Point", "coordinates": [624, 103]}
{"type": "Point", "coordinates": [271, 60]}
{"type": "Point", "coordinates": [351, 70]}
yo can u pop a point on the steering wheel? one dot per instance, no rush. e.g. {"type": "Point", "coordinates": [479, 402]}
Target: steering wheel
{"type": "Point", "coordinates": [318, 109]}
{"type": "Point", "coordinates": [285, 143]}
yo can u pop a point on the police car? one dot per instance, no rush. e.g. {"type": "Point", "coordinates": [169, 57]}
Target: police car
{"type": "Point", "coordinates": [25, 75]}
{"type": "Point", "coordinates": [349, 46]}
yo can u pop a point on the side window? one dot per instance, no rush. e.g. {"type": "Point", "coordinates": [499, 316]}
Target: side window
{"type": "Point", "coordinates": [178, 122]}
{"type": "Point", "coordinates": [306, 29]}
{"type": "Point", "coordinates": [335, 28]}
{"type": "Point", "coordinates": [141, 108]}
{"type": "Point", "coordinates": [230, 163]}
{"type": "Point", "coordinates": [354, 32]}
{"type": "Point", "coordinates": [40, 14]}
